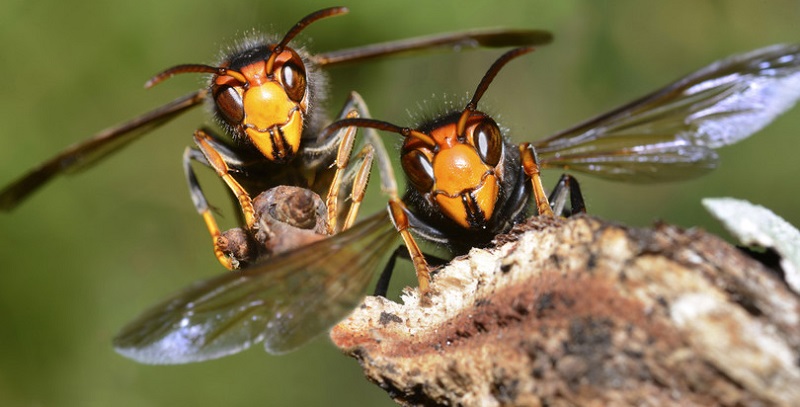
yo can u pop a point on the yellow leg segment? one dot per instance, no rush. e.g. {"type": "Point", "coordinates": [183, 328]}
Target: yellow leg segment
{"type": "Point", "coordinates": [342, 160]}
{"type": "Point", "coordinates": [222, 170]}
{"type": "Point", "coordinates": [213, 230]}
{"type": "Point", "coordinates": [531, 167]}
{"type": "Point", "coordinates": [396, 210]}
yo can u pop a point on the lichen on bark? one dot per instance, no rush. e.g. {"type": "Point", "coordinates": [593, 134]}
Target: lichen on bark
{"type": "Point", "coordinates": [581, 311]}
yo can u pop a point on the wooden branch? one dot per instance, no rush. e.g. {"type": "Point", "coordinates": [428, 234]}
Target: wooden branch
{"type": "Point", "coordinates": [584, 312]}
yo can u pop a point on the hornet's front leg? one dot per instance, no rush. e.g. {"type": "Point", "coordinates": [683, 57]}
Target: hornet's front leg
{"type": "Point", "coordinates": [211, 152]}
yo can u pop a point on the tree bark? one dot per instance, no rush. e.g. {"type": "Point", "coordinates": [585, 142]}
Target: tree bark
{"type": "Point", "coordinates": [585, 312]}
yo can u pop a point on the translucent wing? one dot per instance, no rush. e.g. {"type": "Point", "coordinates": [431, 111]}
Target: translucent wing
{"type": "Point", "coordinates": [466, 39]}
{"type": "Point", "coordinates": [89, 151]}
{"type": "Point", "coordinates": [671, 133]}
{"type": "Point", "coordinates": [284, 302]}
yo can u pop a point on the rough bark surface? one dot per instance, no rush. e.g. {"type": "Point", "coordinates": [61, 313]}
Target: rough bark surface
{"type": "Point", "coordinates": [583, 312]}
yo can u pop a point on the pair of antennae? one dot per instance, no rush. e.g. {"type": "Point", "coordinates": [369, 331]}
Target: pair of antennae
{"type": "Point", "coordinates": [462, 121]}
{"type": "Point", "coordinates": [276, 50]}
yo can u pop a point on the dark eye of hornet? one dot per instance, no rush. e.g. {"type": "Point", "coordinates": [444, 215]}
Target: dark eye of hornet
{"type": "Point", "coordinates": [229, 104]}
{"type": "Point", "coordinates": [294, 81]}
{"type": "Point", "coordinates": [488, 142]}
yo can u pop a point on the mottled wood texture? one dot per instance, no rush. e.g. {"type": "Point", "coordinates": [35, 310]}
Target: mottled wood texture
{"type": "Point", "coordinates": [584, 312]}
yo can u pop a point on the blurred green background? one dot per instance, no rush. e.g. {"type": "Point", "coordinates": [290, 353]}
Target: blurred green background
{"type": "Point", "coordinates": [88, 253]}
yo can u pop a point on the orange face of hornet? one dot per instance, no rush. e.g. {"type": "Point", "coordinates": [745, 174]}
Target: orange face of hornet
{"type": "Point", "coordinates": [268, 103]}
{"type": "Point", "coordinates": [468, 169]}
